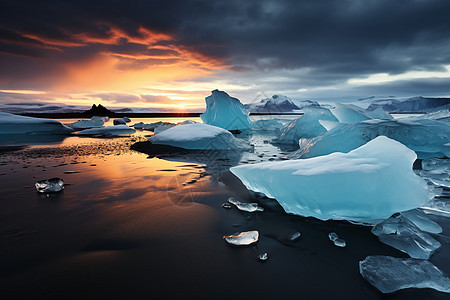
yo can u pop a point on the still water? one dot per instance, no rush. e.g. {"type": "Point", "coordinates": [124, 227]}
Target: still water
{"type": "Point", "coordinates": [132, 226]}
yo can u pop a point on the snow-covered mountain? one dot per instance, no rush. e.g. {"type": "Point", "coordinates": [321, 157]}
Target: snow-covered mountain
{"type": "Point", "coordinates": [414, 104]}
{"type": "Point", "coordinates": [279, 103]}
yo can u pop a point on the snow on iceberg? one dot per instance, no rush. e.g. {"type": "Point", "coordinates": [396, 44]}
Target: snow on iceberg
{"type": "Point", "coordinates": [94, 122]}
{"type": "Point", "coordinates": [307, 126]}
{"type": "Point", "coordinates": [371, 182]}
{"type": "Point", "coordinates": [428, 138]}
{"type": "Point", "coordinates": [197, 137]}
{"type": "Point", "coordinates": [390, 274]}
{"type": "Point", "coordinates": [14, 124]}
{"type": "Point", "coordinates": [225, 112]}
{"type": "Point", "coordinates": [348, 113]}
{"type": "Point", "coordinates": [108, 131]}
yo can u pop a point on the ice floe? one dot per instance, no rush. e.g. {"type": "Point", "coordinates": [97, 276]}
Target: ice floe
{"type": "Point", "coordinates": [400, 233]}
{"type": "Point", "coordinates": [225, 112]}
{"type": "Point", "coordinates": [390, 274]}
{"type": "Point", "coordinates": [243, 238]}
{"type": "Point", "coordinates": [108, 131]}
{"type": "Point", "coordinates": [371, 182]}
{"type": "Point", "coordinates": [94, 122]}
{"type": "Point", "coordinates": [14, 124]}
{"type": "Point", "coordinates": [197, 137]}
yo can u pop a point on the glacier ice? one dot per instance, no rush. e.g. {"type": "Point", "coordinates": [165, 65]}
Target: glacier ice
{"type": "Point", "coordinates": [87, 124]}
{"type": "Point", "coordinates": [371, 182]}
{"type": "Point", "coordinates": [52, 185]}
{"type": "Point", "coordinates": [162, 127]}
{"type": "Point", "coordinates": [307, 126]}
{"type": "Point", "coordinates": [336, 240]}
{"type": "Point", "coordinates": [245, 206]}
{"type": "Point", "coordinates": [267, 125]}
{"type": "Point", "coordinates": [243, 238]}
{"type": "Point", "coordinates": [295, 236]}
{"type": "Point", "coordinates": [225, 112]}
{"type": "Point", "coordinates": [389, 274]}
{"type": "Point", "coordinates": [263, 256]}
{"type": "Point", "coordinates": [400, 233]}
{"type": "Point", "coordinates": [197, 137]}
{"type": "Point", "coordinates": [420, 219]}
{"type": "Point", "coordinates": [348, 113]}
{"type": "Point", "coordinates": [14, 124]}
{"type": "Point", "coordinates": [428, 138]}
{"type": "Point", "coordinates": [414, 104]}
{"type": "Point", "coordinates": [436, 170]}
{"type": "Point", "coordinates": [108, 131]}
{"type": "Point", "coordinates": [438, 206]}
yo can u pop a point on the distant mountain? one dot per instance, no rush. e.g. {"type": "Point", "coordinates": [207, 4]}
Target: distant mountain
{"type": "Point", "coordinates": [279, 103]}
{"type": "Point", "coordinates": [414, 104]}
{"type": "Point", "coordinates": [46, 108]}
{"type": "Point", "coordinates": [99, 110]}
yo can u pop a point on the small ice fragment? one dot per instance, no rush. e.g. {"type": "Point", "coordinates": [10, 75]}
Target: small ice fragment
{"type": "Point", "coordinates": [263, 256]}
{"type": "Point", "coordinates": [226, 205]}
{"type": "Point", "coordinates": [126, 119]}
{"type": "Point", "coordinates": [52, 185]}
{"type": "Point", "coordinates": [248, 207]}
{"type": "Point", "coordinates": [243, 238]}
{"type": "Point", "coordinates": [339, 242]}
{"type": "Point", "coordinates": [295, 236]}
{"type": "Point", "coordinates": [390, 274]}
{"type": "Point", "coordinates": [333, 236]}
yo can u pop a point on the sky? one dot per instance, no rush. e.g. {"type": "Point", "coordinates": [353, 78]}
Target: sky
{"type": "Point", "coordinates": [172, 54]}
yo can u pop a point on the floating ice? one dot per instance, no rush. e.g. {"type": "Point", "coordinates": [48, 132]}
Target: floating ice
{"type": "Point", "coordinates": [119, 121]}
{"type": "Point", "coordinates": [187, 122]}
{"type": "Point", "coordinates": [336, 240]}
{"type": "Point", "coordinates": [295, 236]}
{"type": "Point", "coordinates": [197, 136]}
{"type": "Point", "coordinates": [414, 104]}
{"type": "Point", "coordinates": [94, 122]}
{"type": "Point", "coordinates": [14, 124]}
{"type": "Point", "coordinates": [226, 205]}
{"type": "Point", "coordinates": [420, 219]}
{"type": "Point", "coordinates": [427, 138]}
{"type": "Point", "coordinates": [52, 185]}
{"type": "Point", "coordinates": [163, 126]}
{"type": "Point", "coordinates": [371, 182]}
{"type": "Point", "coordinates": [144, 126]}
{"type": "Point", "coordinates": [248, 207]}
{"type": "Point", "coordinates": [108, 131]}
{"type": "Point", "coordinates": [268, 125]}
{"type": "Point", "coordinates": [225, 112]}
{"type": "Point", "coordinates": [263, 256]}
{"type": "Point", "coordinates": [400, 233]}
{"type": "Point", "coordinates": [243, 238]}
{"type": "Point", "coordinates": [390, 274]}
{"type": "Point", "coordinates": [307, 126]}
{"type": "Point", "coordinates": [126, 119]}
{"type": "Point", "coordinates": [438, 206]}
{"type": "Point", "coordinates": [348, 113]}
{"type": "Point", "coordinates": [437, 171]}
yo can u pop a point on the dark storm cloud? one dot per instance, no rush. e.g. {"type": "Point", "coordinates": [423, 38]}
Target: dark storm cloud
{"type": "Point", "coordinates": [333, 40]}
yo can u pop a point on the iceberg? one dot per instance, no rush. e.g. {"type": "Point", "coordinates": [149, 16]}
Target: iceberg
{"type": "Point", "coordinates": [52, 185]}
{"type": "Point", "coordinates": [14, 124]}
{"type": "Point", "coordinates": [120, 121]}
{"type": "Point", "coordinates": [94, 122]}
{"type": "Point", "coordinates": [348, 113]}
{"type": "Point", "coordinates": [197, 137]}
{"type": "Point", "coordinates": [307, 126]}
{"type": "Point", "coordinates": [428, 138]}
{"type": "Point", "coordinates": [371, 182]}
{"type": "Point", "coordinates": [436, 171]}
{"type": "Point", "coordinates": [108, 131]}
{"type": "Point", "coordinates": [267, 125]}
{"type": "Point", "coordinates": [420, 219]}
{"type": "Point", "coordinates": [243, 238]}
{"type": "Point", "coordinates": [163, 126]}
{"type": "Point", "coordinates": [225, 112]}
{"type": "Point", "coordinates": [390, 274]}
{"type": "Point", "coordinates": [400, 233]}
{"type": "Point", "coordinates": [414, 104]}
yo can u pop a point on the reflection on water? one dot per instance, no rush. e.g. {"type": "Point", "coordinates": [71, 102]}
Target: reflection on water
{"type": "Point", "coordinates": [132, 226]}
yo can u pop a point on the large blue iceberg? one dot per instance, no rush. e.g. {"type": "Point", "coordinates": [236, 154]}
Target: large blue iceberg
{"type": "Point", "coordinates": [428, 138]}
{"type": "Point", "coordinates": [369, 183]}
{"type": "Point", "coordinates": [14, 124]}
{"type": "Point", "coordinates": [225, 112]}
